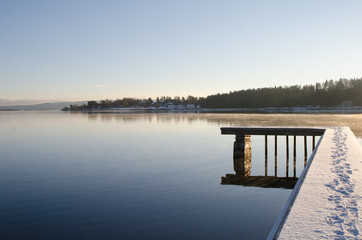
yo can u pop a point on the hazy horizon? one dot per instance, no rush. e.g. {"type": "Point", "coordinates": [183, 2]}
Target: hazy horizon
{"type": "Point", "coordinates": [25, 102]}
{"type": "Point", "coordinates": [90, 50]}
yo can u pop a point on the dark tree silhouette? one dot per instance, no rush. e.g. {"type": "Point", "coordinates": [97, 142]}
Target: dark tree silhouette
{"type": "Point", "coordinates": [326, 94]}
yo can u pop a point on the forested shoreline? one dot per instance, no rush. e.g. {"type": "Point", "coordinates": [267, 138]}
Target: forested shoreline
{"type": "Point", "coordinates": [327, 94]}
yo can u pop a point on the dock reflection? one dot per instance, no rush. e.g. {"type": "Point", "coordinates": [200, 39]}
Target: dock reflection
{"type": "Point", "coordinates": [260, 181]}
{"type": "Point", "coordinates": [242, 167]}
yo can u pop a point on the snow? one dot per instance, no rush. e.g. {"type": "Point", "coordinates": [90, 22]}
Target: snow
{"type": "Point", "coordinates": [329, 201]}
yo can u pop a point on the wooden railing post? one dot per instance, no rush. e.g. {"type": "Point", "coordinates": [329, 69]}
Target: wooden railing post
{"type": "Point", "coordinates": [276, 156]}
{"type": "Point", "coordinates": [266, 155]}
{"type": "Point", "coordinates": [287, 156]}
{"type": "Point", "coordinates": [305, 150]}
{"type": "Point", "coordinates": [295, 156]}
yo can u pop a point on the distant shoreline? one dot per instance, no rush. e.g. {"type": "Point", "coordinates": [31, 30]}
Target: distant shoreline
{"type": "Point", "coordinates": [296, 110]}
{"type": "Point", "coordinates": [352, 110]}
{"type": "Point", "coordinates": [286, 110]}
{"type": "Point", "coordinates": [9, 110]}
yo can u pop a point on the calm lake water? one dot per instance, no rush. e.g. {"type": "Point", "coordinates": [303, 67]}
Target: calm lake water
{"type": "Point", "coordinates": [140, 176]}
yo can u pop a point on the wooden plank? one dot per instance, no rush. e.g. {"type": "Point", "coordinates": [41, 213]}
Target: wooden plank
{"type": "Point", "coordinates": [272, 131]}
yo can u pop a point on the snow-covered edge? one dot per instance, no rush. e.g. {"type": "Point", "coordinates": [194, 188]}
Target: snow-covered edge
{"type": "Point", "coordinates": [288, 205]}
{"type": "Point", "coordinates": [328, 203]}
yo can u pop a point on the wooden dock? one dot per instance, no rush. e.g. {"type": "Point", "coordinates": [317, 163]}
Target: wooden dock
{"type": "Point", "coordinates": [326, 201]}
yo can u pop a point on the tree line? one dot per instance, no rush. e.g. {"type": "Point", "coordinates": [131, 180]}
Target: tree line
{"type": "Point", "coordinates": [326, 94]}
{"type": "Point", "coordinates": [134, 102]}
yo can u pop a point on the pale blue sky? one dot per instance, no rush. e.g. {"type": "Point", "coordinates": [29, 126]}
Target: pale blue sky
{"type": "Point", "coordinates": [84, 50]}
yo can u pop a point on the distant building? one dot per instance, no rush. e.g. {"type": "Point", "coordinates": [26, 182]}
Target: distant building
{"type": "Point", "coordinates": [181, 107]}
{"type": "Point", "coordinates": [346, 104]}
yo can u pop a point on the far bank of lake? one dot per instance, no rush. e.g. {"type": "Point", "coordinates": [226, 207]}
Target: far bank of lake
{"type": "Point", "coordinates": [295, 110]}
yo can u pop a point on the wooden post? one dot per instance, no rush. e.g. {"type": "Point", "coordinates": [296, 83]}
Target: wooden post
{"type": "Point", "coordinates": [305, 150]}
{"type": "Point", "coordinates": [242, 146]}
{"type": "Point", "coordinates": [287, 156]}
{"type": "Point", "coordinates": [276, 145]}
{"type": "Point", "coordinates": [242, 155]}
{"type": "Point", "coordinates": [295, 146]}
{"type": "Point", "coordinates": [266, 145]}
{"type": "Point", "coordinates": [266, 165]}
{"type": "Point", "coordinates": [295, 156]}
{"type": "Point", "coordinates": [242, 166]}
{"type": "Point", "coordinates": [276, 158]}
{"type": "Point", "coordinates": [266, 155]}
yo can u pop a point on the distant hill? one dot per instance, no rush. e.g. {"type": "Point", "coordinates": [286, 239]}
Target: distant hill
{"type": "Point", "coordinates": [42, 106]}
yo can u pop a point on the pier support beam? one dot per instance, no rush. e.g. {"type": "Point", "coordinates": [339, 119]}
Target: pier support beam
{"type": "Point", "coordinates": [242, 155]}
{"type": "Point", "coordinates": [242, 166]}
{"type": "Point", "coordinates": [242, 146]}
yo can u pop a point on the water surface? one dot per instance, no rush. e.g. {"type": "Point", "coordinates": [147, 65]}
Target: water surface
{"type": "Point", "coordinates": [138, 176]}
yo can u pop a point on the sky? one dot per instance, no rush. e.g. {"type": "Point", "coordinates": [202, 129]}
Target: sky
{"type": "Point", "coordinates": [92, 50]}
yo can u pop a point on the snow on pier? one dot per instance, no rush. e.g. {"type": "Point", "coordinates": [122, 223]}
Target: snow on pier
{"type": "Point", "coordinates": [327, 201]}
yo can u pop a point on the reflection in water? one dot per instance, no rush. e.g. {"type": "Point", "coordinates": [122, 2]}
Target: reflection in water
{"type": "Point", "coordinates": [242, 167]}
{"type": "Point", "coordinates": [240, 119]}
{"type": "Point", "coordinates": [260, 181]}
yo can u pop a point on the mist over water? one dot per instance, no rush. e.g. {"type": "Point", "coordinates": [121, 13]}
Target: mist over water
{"type": "Point", "coordinates": [140, 176]}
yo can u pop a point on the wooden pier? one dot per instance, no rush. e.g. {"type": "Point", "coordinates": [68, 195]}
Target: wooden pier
{"type": "Point", "coordinates": [242, 155]}
{"type": "Point", "coordinates": [242, 137]}
{"type": "Point", "coordinates": [327, 198]}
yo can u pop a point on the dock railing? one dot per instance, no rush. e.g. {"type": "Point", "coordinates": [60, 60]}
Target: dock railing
{"type": "Point", "coordinates": [242, 144]}
{"type": "Point", "coordinates": [242, 149]}
{"type": "Point", "coordinates": [242, 135]}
